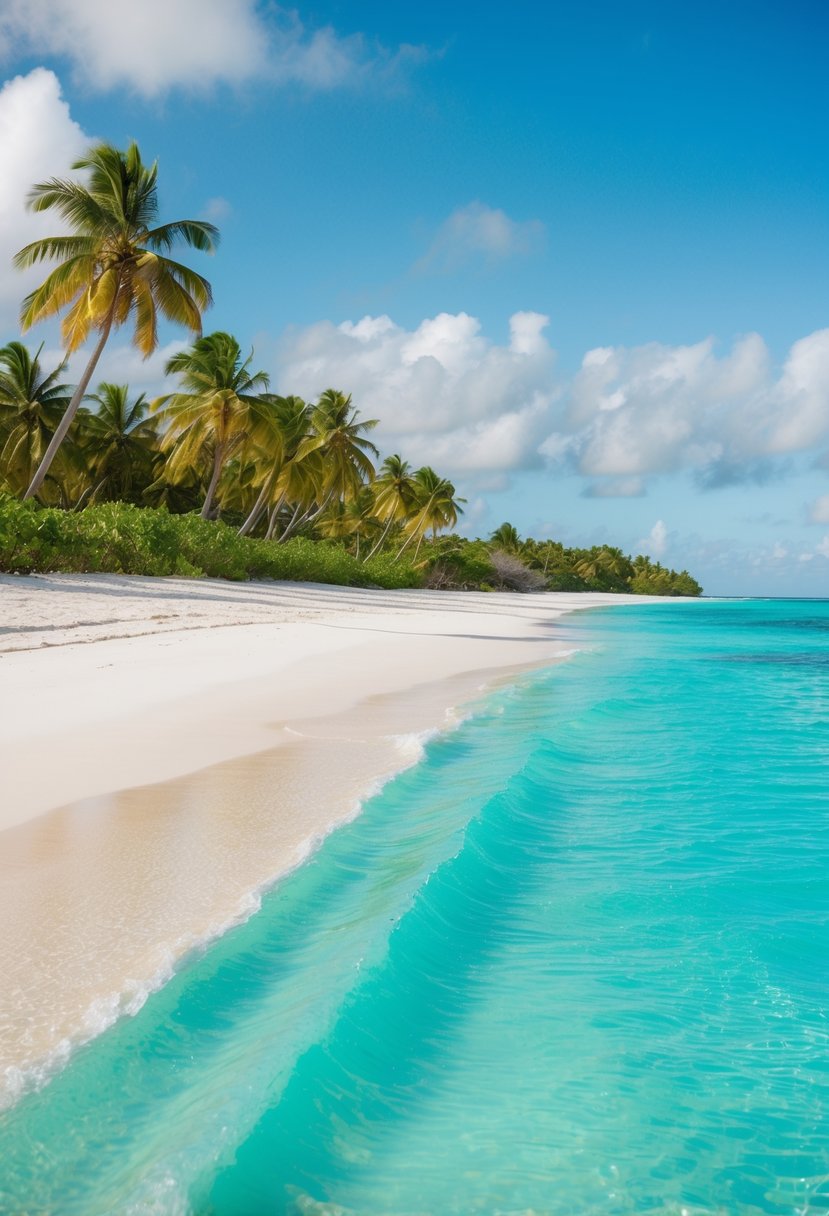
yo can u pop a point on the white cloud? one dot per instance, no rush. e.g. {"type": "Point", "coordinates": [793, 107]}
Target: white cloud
{"type": "Point", "coordinates": [476, 232]}
{"type": "Point", "coordinates": [656, 542]}
{"type": "Point", "coordinates": [802, 396]}
{"type": "Point", "coordinates": [823, 547]}
{"type": "Point", "coordinates": [445, 394]}
{"type": "Point", "coordinates": [123, 364]}
{"type": "Point", "coordinates": [658, 409]}
{"type": "Point", "coordinates": [155, 46]}
{"type": "Point", "coordinates": [38, 140]}
{"type": "Point", "coordinates": [819, 510]}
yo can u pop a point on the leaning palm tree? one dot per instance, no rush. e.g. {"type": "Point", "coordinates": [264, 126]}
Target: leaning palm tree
{"type": "Point", "coordinates": [336, 437]}
{"type": "Point", "coordinates": [394, 496]}
{"type": "Point", "coordinates": [435, 508]}
{"type": "Point", "coordinates": [218, 409]}
{"type": "Point", "coordinates": [284, 426]}
{"type": "Point", "coordinates": [32, 403]}
{"type": "Point", "coordinates": [119, 443]}
{"type": "Point", "coordinates": [351, 520]}
{"type": "Point", "coordinates": [112, 266]}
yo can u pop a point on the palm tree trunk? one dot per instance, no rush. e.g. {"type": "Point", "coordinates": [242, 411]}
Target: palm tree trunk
{"type": "Point", "coordinates": [379, 544]}
{"type": "Point", "coordinates": [296, 521]}
{"type": "Point", "coordinates": [405, 545]}
{"type": "Point", "coordinates": [275, 516]}
{"type": "Point", "coordinates": [218, 461]}
{"type": "Point", "coordinates": [309, 516]}
{"type": "Point", "coordinates": [71, 409]}
{"type": "Point", "coordinates": [258, 507]}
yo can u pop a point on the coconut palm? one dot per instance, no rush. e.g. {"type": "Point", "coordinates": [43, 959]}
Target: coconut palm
{"type": "Point", "coordinates": [112, 266]}
{"type": "Point", "coordinates": [435, 508]}
{"type": "Point", "coordinates": [337, 430]}
{"type": "Point", "coordinates": [284, 426]}
{"type": "Point", "coordinates": [605, 565]}
{"type": "Point", "coordinates": [32, 403]}
{"type": "Point", "coordinates": [394, 495]}
{"type": "Point", "coordinates": [351, 519]}
{"type": "Point", "coordinates": [216, 412]}
{"type": "Point", "coordinates": [119, 443]}
{"type": "Point", "coordinates": [506, 538]}
{"type": "Point", "coordinates": [336, 439]}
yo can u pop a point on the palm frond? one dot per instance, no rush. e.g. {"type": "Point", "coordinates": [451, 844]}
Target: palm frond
{"type": "Point", "coordinates": [198, 234]}
{"type": "Point", "coordinates": [60, 287]}
{"type": "Point", "coordinates": [146, 317]}
{"type": "Point", "coordinates": [72, 201]}
{"type": "Point", "coordinates": [54, 248]}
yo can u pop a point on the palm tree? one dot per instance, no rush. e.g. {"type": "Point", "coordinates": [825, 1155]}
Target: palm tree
{"type": "Point", "coordinates": [221, 405]}
{"type": "Point", "coordinates": [506, 538]}
{"type": "Point", "coordinates": [351, 519]}
{"type": "Point", "coordinates": [394, 496]}
{"type": "Point", "coordinates": [604, 565]}
{"type": "Point", "coordinates": [284, 426]}
{"type": "Point", "coordinates": [335, 439]}
{"type": "Point", "coordinates": [112, 265]}
{"type": "Point", "coordinates": [119, 442]}
{"type": "Point", "coordinates": [435, 507]}
{"type": "Point", "coordinates": [32, 403]}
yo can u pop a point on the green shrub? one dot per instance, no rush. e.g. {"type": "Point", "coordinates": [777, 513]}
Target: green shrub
{"type": "Point", "coordinates": [119, 538]}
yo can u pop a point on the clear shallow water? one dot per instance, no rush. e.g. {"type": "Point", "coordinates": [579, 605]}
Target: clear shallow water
{"type": "Point", "coordinates": [575, 961]}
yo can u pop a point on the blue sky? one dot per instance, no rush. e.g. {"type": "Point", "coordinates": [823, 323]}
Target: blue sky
{"type": "Point", "coordinates": [575, 256]}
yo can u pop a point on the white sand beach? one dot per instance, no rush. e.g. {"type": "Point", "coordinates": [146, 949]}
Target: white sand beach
{"type": "Point", "coordinates": [170, 747]}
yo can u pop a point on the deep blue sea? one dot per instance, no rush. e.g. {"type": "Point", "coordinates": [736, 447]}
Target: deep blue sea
{"type": "Point", "coordinates": [575, 961]}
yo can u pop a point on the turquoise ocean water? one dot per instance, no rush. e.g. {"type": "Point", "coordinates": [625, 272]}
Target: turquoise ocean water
{"type": "Point", "coordinates": [575, 961]}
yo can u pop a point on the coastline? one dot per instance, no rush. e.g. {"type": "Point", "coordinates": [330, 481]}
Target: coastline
{"type": "Point", "coordinates": [161, 780]}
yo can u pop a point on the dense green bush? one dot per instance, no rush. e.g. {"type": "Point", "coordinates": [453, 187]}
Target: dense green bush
{"type": "Point", "coordinates": [123, 539]}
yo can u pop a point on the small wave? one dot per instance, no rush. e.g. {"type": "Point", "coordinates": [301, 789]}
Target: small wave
{"type": "Point", "coordinates": [105, 1011]}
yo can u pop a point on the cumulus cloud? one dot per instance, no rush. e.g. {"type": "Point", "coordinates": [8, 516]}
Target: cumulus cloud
{"type": "Point", "coordinates": [477, 232]}
{"type": "Point", "coordinates": [628, 414]}
{"type": "Point", "coordinates": [659, 409]}
{"type": "Point", "coordinates": [192, 44]}
{"type": "Point", "coordinates": [38, 139]}
{"type": "Point", "coordinates": [656, 542]}
{"type": "Point", "coordinates": [446, 395]}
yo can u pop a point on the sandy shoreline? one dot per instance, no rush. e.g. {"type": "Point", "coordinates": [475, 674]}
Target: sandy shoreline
{"type": "Point", "coordinates": [170, 747]}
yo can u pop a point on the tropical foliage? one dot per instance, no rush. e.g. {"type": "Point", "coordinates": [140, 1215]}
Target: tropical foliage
{"type": "Point", "coordinates": [219, 475]}
{"type": "Point", "coordinates": [112, 265]}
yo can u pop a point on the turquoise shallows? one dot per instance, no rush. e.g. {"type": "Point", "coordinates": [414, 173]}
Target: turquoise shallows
{"type": "Point", "coordinates": [576, 961]}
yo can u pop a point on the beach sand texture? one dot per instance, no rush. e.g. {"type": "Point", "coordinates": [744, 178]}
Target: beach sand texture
{"type": "Point", "coordinates": [170, 747]}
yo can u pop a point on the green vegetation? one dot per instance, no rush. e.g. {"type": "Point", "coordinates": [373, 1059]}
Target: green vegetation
{"type": "Point", "coordinates": [533, 565]}
{"type": "Point", "coordinates": [112, 266]}
{"type": "Point", "coordinates": [219, 476]}
{"type": "Point", "coordinates": [124, 539]}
